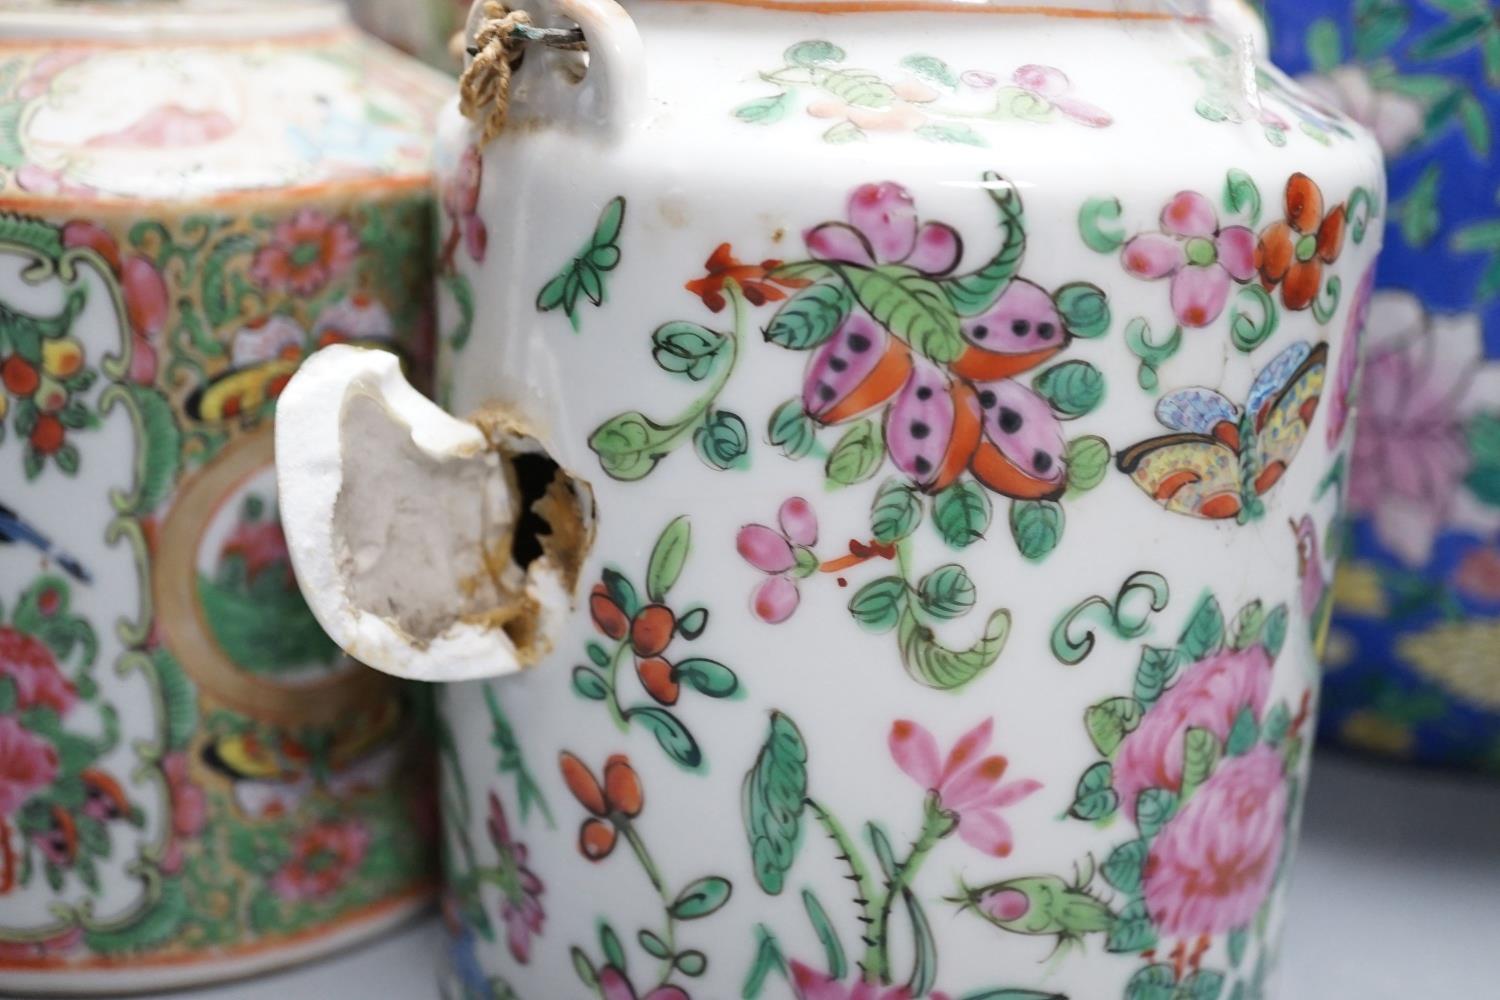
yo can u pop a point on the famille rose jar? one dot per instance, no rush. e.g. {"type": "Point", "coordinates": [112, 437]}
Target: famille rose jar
{"type": "Point", "coordinates": [194, 781]}
{"type": "Point", "coordinates": [898, 451]}
{"type": "Point", "coordinates": [1414, 654]}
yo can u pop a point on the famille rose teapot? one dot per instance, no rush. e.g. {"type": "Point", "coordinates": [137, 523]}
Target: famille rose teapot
{"type": "Point", "coordinates": [883, 552]}
{"type": "Point", "coordinates": [195, 783]}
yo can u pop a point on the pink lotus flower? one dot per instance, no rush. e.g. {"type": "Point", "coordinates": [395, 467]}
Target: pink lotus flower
{"type": "Point", "coordinates": [1211, 866]}
{"type": "Point", "coordinates": [882, 229]}
{"type": "Point", "coordinates": [32, 669]}
{"type": "Point", "coordinates": [189, 807]}
{"type": "Point", "coordinates": [522, 907]}
{"type": "Point", "coordinates": [324, 858]}
{"type": "Point", "coordinates": [1210, 695]}
{"type": "Point", "coordinates": [1051, 87]}
{"type": "Point", "coordinates": [813, 985]}
{"type": "Point", "coordinates": [305, 253]}
{"type": "Point", "coordinates": [27, 763]}
{"type": "Point", "coordinates": [786, 555]}
{"type": "Point", "coordinates": [966, 784]}
{"type": "Point", "coordinates": [1197, 254]}
{"type": "Point", "coordinates": [1423, 377]}
{"type": "Point", "coordinates": [1344, 387]}
{"type": "Point", "coordinates": [614, 986]}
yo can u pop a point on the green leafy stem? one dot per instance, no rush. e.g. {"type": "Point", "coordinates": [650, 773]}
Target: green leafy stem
{"type": "Point", "coordinates": [630, 444]}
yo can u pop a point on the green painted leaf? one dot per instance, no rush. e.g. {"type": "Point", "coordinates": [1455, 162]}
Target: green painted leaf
{"type": "Point", "coordinates": [1273, 633]}
{"type": "Point", "coordinates": [1241, 196]}
{"type": "Point", "coordinates": [946, 592]}
{"type": "Point", "coordinates": [858, 454]}
{"type": "Point", "coordinates": [828, 937]}
{"type": "Point", "coordinates": [671, 735]}
{"type": "Point", "coordinates": [1204, 633]}
{"type": "Point", "coordinates": [974, 293]}
{"type": "Point", "coordinates": [810, 317]}
{"type": "Point", "coordinates": [860, 88]}
{"type": "Point", "coordinates": [1451, 38]}
{"type": "Point", "coordinates": [1073, 388]}
{"type": "Point", "coordinates": [1037, 526]}
{"type": "Point", "coordinates": [938, 72]}
{"type": "Point", "coordinates": [924, 947]}
{"type": "Point", "coordinates": [179, 699]}
{"type": "Point", "coordinates": [668, 556]}
{"type": "Point", "coordinates": [708, 677]}
{"type": "Point", "coordinates": [621, 591]}
{"type": "Point", "coordinates": [885, 854]}
{"type": "Point", "coordinates": [792, 430]}
{"type": "Point", "coordinates": [1154, 982]}
{"type": "Point", "coordinates": [1247, 626]}
{"type": "Point", "coordinates": [933, 664]}
{"type": "Point", "coordinates": [1095, 797]}
{"type": "Point", "coordinates": [1099, 225]}
{"type": "Point", "coordinates": [896, 511]}
{"type": "Point", "coordinates": [962, 513]}
{"type": "Point", "coordinates": [705, 896]}
{"type": "Point", "coordinates": [765, 110]}
{"type": "Point", "coordinates": [692, 622]}
{"type": "Point", "coordinates": [1123, 868]}
{"type": "Point", "coordinates": [1278, 723]}
{"type": "Point", "coordinates": [1418, 213]}
{"type": "Point", "coordinates": [1483, 437]}
{"type": "Point", "coordinates": [1325, 48]}
{"type": "Point", "coordinates": [1153, 808]}
{"type": "Point", "coordinates": [878, 604]}
{"type": "Point", "coordinates": [722, 441]}
{"type": "Point", "coordinates": [220, 305]}
{"type": "Point", "coordinates": [1110, 721]}
{"type": "Point", "coordinates": [1088, 462]}
{"type": "Point", "coordinates": [589, 684]}
{"type": "Point", "coordinates": [583, 967]}
{"type": "Point", "coordinates": [691, 962]}
{"type": "Point", "coordinates": [772, 800]}
{"type": "Point", "coordinates": [1084, 308]}
{"type": "Point", "coordinates": [684, 348]}
{"type": "Point", "coordinates": [1243, 734]}
{"type": "Point", "coordinates": [1200, 754]}
{"type": "Point", "coordinates": [844, 132]}
{"type": "Point", "coordinates": [607, 229]}
{"type": "Point", "coordinates": [609, 943]}
{"type": "Point", "coordinates": [1203, 984]}
{"type": "Point", "coordinates": [1239, 940]}
{"type": "Point", "coordinates": [767, 957]}
{"type": "Point", "coordinates": [653, 945]}
{"type": "Point", "coordinates": [910, 305]}
{"type": "Point", "coordinates": [814, 53]}
{"type": "Point", "coordinates": [630, 444]}
{"type": "Point", "coordinates": [1155, 671]}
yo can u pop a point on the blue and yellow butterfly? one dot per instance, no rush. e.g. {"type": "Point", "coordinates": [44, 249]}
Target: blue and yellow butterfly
{"type": "Point", "coordinates": [1221, 458]}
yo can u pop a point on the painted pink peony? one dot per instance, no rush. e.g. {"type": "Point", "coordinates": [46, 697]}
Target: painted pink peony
{"type": "Point", "coordinates": [967, 784]}
{"type": "Point", "coordinates": [813, 985]}
{"type": "Point", "coordinates": [27, 764]}
{"type": "Point", "coordinates": [1199, 256]}
{"type": "Point", "coordinates": [614, 986]}
{"type": "Point", "coordinates": [883, 229]}
{"type": "Point", "coordinates": [1209, 696]}
{"type": "Point", "coordinates": [1211, 867]}
{"type": "Point", "coordinates": [147, 302]}
{"type": "Point", "coordinates": [32, 669]}
{"type": "Point", "coordinates": [785, 555]}
{"type": "Point", "coordinates": [1424, 376]}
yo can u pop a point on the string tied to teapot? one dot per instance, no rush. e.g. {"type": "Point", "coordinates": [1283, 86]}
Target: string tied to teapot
{"type": "Point", "coordinates": [484, 87]}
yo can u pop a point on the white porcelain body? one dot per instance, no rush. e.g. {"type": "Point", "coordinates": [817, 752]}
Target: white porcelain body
{"type": "Point", "coordinates": [693, 174]}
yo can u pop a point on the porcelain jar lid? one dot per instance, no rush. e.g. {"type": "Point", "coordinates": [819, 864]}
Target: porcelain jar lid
{"type": "Point", "coordinates": [203, 99]}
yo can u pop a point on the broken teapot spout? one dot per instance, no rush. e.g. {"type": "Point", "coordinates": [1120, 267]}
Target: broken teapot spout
{"type": "Point", "coordinates": [429, 547]}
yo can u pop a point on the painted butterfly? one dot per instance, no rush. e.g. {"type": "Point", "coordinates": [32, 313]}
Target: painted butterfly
{"type": "Point", "coordinates": [1220, 457]}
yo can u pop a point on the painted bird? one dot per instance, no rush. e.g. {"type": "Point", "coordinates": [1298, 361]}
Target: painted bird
{"type": "Point", "coordinates": [14, 531]}
{"type": "Point", "coordinates": [1317, 590]}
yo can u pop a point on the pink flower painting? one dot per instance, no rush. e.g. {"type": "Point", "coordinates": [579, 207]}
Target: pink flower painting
{"type": "Point", "coordinates": [32, 668]}
{"type": "Point", "coordinates": [785, 555]}
{"type": "Point", "coordinates": [813, 985]}
{"type": "Point", "coordinates": [305, 253]}
{"type": "Point", "coordinates": [883, 229]}
{"type": "Point", "coordinates": [1200, 257]}
{"type": "Point", "coordinates": [968, 782]}
{"type": "Point", "coordinates": [27, 764]}
{"type": "Point", "coordinates": [1210, 695]}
